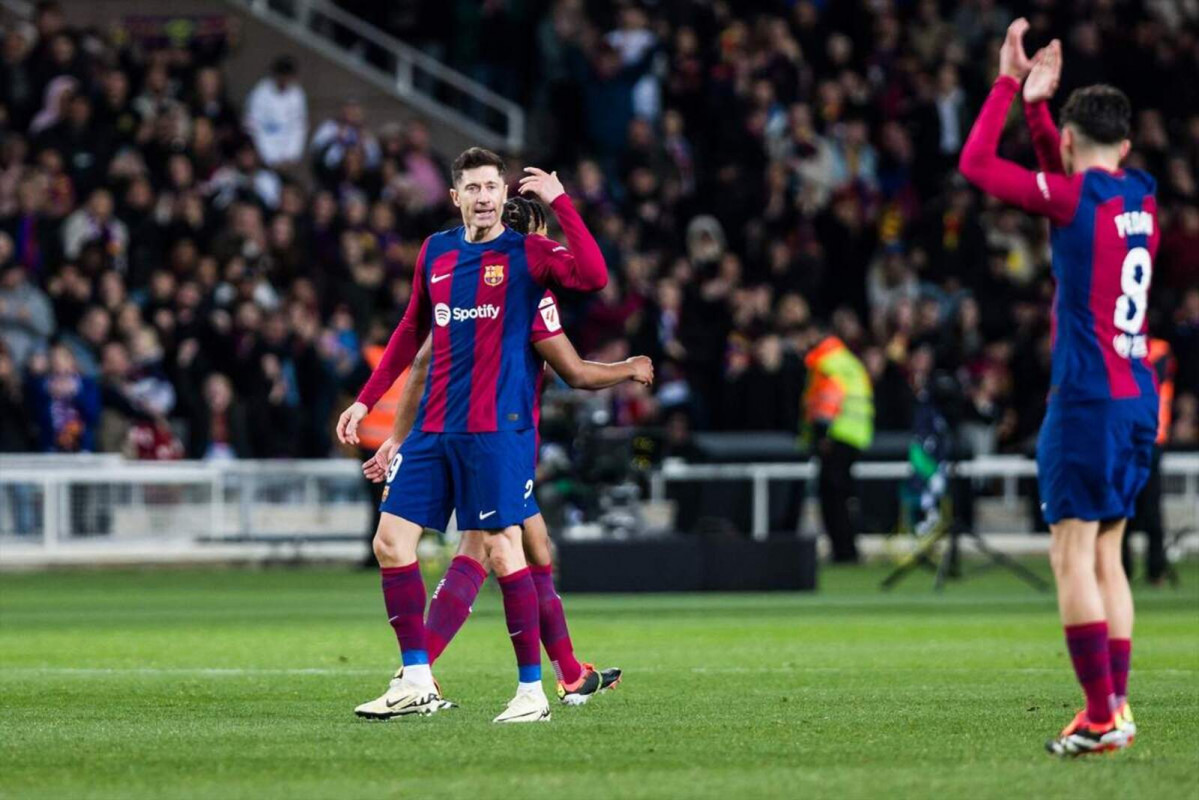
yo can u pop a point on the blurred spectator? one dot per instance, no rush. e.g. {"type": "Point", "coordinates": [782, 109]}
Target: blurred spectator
{"type": "Point", "coordinates": [95, 224]}
{"type": "Point", "coordinates": [14, 416]}
{"type": "Point", "coordinates": [58, 95]}
{"type": "Point", "coordinates": [65, 403]}
{"type": "Point", "coordinates": [18, 83]}
{"type": "Point", "coordinates": [218, 423]}
{"type": "Point", "coordinates": [33, 231]}
{"type": "Point", "coordinates": [335, 137]}
{"type": "Point", "coordinates": [26, 317]}
{"type": "Point", "coordinates": [277, 115]}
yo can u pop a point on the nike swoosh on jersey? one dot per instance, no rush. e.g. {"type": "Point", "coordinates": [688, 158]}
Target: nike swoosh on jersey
{"type": "Point", "coordinates": [439, 278]}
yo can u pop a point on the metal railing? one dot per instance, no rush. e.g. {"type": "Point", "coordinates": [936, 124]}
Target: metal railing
{"type": "Point", "coordinates": [399, 69]}
{"type": "Point", "coordinates": [1007, 469]}
{"type": "Point", "coordinates": [54, 501]}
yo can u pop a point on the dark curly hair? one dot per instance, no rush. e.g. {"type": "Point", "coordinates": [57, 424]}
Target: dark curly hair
{"type": "Point", "coordinates": [1101, 113]}
{"type": "Point", "coordinates": [524, 214]}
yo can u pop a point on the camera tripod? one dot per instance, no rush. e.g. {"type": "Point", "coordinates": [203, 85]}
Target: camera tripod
{"type": "Point", "coordinates": [948, 565]}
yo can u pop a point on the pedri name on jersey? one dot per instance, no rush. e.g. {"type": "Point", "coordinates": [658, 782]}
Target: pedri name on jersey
{"type": "Point", "coordinates": [1134, 223]}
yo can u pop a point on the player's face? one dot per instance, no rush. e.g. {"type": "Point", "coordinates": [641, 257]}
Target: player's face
{"type": "Point", "coordinates": [480, 196]}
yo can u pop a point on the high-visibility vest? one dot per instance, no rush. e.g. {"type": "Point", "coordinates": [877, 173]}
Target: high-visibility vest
{"type": "Point", "coordinates": [1162, 362]}
{"type": "Point", "coordinates": [839, 393]}
{"type": "Point", "coordinates": [376, 426]}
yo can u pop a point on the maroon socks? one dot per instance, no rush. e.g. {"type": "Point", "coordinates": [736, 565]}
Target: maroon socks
{"type": "Point", "coordinates": [520, 610]}
{"type": "Point", "coordinates": [451, 603]}
{"type": "Point", "coordinates": [554, 633]}
{"type": "Point", "coordinates": [404, 597]}
{"type": "Point", "coordinates": [1120, 652]}
{"type": "Point", "coordinates": [1088, 645]}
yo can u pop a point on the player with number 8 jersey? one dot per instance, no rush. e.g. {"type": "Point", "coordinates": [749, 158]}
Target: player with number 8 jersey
{"type": "Point", "coordinates": [1096, 443]}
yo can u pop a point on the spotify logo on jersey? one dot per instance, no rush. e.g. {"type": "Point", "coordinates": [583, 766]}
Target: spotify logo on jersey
{"type": "Point", "coordinates": [443, 314]}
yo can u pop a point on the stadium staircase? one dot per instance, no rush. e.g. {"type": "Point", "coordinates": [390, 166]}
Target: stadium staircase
{"type": "Point", "coordinates": [339, 56]}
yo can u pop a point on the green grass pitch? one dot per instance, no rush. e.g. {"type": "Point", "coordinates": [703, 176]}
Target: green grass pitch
{"type": "Point", "coordinates": [241, 684]}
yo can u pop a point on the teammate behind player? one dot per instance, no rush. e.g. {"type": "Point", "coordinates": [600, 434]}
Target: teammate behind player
{"type": "Point", "coordinates": [456, 593]}
{"type": "Point", "coordinates": [1096, 441]}
{"type": "Point", "coordinates": [477, 287]}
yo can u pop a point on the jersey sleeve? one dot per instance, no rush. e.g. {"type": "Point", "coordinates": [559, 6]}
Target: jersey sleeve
{"type": "Point", "coordinates": [579, 265]}
{"type": "Point", "coordinates": [405, 340]}
{"type": "Point", "coordinates": [546, 322]}
{"type": "Point", "coordinates": [1046, 140]}
{"type": "Point", "coordinates": [1047, 194]}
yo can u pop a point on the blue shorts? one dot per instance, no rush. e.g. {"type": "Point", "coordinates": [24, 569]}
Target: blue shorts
{"type": "Point", "coordinates": [1093, 457]}
{"type": "Point", "coordinates": [486, 477]}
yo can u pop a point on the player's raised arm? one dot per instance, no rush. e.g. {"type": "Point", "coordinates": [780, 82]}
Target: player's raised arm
{"type": "Point", "coordinates": [401, 348]}
{"type": "Point", "coordinates": [561, 355]}
{"type": "Point", "coordinates": [1039, 87]}
{"type": "Point", "coordinates": [579, 265]}
{"type": "Point", "coordinates": [1050, 195]}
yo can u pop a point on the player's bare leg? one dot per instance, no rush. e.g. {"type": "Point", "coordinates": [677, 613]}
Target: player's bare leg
{"type": "Point", "coordinates": [412, 690]}
{"type": "Point", "coordinates": [1072, 552]}
{"type": "Point", "coordinates": [577, 682]}
{"type": "Point", "coordinates": [507, 557]}
{"type": "Point", "coordinates": [1117, 604]}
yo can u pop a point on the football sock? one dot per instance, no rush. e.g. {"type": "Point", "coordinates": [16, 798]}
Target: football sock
{"type": "Point", "coordinates": [419, 674]}
{"type": "Point", "coordinates": [451, 603]}
{"type": "Point", "coordinates": [554, 633]}
{"type": "Point", "coordinates": [404, 596]}
{"type": "Point", "coordinates": [1120, 652]}
{"type": "Point", "coordinates": [1092, 665]}
{"type": "Point", "coordinates": [520, 611]}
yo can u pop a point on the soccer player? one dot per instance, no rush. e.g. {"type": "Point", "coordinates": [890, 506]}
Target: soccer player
{"type": "Point", "coordinates": [456, 593]}
{"type": "Point", "coordinates": [477, 287]}
{"type": "Point", "coordinates": [1096, 441]}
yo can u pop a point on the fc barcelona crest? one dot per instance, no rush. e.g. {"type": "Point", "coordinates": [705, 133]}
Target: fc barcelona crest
{"type": "Point", "coordinates": [493, 274]}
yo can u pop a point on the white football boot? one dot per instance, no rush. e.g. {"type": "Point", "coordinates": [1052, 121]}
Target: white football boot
{"type": "Point", "coordinates": [526, 706]}
{"type": "Point", "coordinates": [402, 698]}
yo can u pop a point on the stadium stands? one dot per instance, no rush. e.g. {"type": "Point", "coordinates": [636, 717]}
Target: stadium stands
{"type": "Point", "coordinates": [746, 166]}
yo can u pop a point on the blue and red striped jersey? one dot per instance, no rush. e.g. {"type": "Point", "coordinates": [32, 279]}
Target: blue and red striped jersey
{"type": "Point", "coordinates": [481, 300]}
{"type": "Point", "coordinates": [1103, 264]}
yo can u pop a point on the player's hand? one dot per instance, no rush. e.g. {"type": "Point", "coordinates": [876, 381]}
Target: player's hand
{"type": "Point", "coordinates": [643, 370]}
{"type": "Point", "coordinates": [543, 184]}
{"type": "Point", "coordinates": [374, 469]}
{"type": "Point", "coordinates": [1012, 59]}
{"type": "Point", "coordinates": [347, 423]}
{"type": "Point", "coordinates": [1046, 73]}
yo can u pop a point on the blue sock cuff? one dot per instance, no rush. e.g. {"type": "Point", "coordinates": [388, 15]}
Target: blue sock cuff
{"type": "Point", "coordinates": [413, 658]}
{"type": "Point", "coordinates": [529, 674]}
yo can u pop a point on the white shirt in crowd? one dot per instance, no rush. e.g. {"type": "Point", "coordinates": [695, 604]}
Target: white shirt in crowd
{"type": "Point", "coordinates": [278, 121]}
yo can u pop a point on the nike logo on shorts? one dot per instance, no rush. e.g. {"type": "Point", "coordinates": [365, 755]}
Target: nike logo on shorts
{"type": "Point", "coordinates": [483, 516]}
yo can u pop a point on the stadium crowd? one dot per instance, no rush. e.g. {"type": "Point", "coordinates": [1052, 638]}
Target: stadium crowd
{"type": "Point", "coordinates": [184, 273]}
